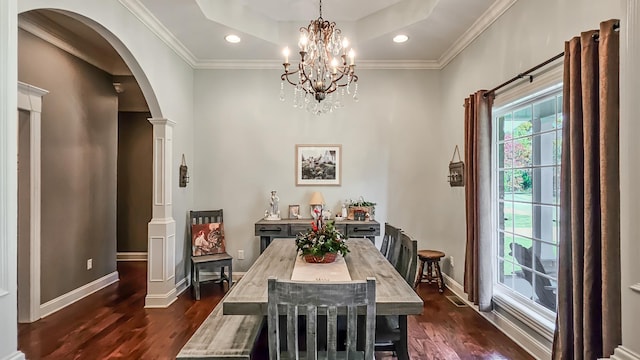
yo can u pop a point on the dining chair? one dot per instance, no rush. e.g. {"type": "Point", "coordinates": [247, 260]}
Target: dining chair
{"type": "Point", "coordinates": [388, 327]}
{"type": "Point", "coordinates": [309, 299]}
{"type": "Point", "coordinates": [393, 249]}
{"type": "Point", "coordinates": [208, 249]}
{"type": "Point", "coordinates": [407, 258]}
{"type": "Point", "coordinates": [388, 240]}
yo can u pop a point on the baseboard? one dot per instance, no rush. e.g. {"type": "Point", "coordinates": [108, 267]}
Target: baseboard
{"type": "Point", "coordinates": [183, 285]}
{"type": "Point", "coordinates": [160, 301]}
{"type": "Point", "coordinates": [506, 326]}
{"type": "Point", "coordinates": [131, 256]}
{"type": "Point", "coordinates": [71, 297]}
{"type": "Point", "coordinates": [622, 353]}
{"type": "Point", "coordinates": [18, 355]}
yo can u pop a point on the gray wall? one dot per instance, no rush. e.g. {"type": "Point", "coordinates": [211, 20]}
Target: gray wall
{"type": "Point", "coordinates": [245, 139]}
{"type": "Point", "coordinates": [135, 176]}
{"type": "Point", "coordinates": [79, 153]}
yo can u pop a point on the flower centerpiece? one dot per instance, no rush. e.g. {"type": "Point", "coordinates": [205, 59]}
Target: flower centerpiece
{"type": "Point", "coordinates": [322, 243]}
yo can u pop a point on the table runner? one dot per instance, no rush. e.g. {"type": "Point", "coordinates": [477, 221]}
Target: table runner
{"type": "Point", "coordinates": [335, 271]}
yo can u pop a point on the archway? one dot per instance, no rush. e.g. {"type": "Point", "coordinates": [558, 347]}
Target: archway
{"type": "Point", "coordinates": [161, 233]}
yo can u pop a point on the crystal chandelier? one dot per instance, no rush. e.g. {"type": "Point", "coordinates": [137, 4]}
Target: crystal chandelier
{"type": "Point", "coordinates": [322, 78]}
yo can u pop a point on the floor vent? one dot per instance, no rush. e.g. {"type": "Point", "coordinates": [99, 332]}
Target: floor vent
{"type": "Point", "coordinates": [456, 301]}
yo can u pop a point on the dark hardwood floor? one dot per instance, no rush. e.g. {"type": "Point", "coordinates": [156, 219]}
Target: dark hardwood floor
{"type": "Point", "coordinates": [113, 324]}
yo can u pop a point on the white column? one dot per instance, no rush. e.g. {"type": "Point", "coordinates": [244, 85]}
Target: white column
{"type": "Point", "coordinates": [30, 99]}
{"type": "Point", "coordinates": [629, 175]}
{"type": "Point", "coordinates": [161, 287]}
{"type": "Point", "coordinates": [8, 179]}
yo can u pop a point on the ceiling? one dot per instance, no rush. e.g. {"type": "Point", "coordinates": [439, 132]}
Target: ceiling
{"type": "Point", "coordinates": [195, 29]}
{"type": "Point", "coordinates": [436, 28]}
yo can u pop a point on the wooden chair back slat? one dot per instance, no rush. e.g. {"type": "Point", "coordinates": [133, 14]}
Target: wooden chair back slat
{"type": "Point", "coordinates": [352, 324]}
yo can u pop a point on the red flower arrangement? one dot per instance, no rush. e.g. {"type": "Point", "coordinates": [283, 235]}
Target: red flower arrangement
{"type": "Point", "coordinates": [323, 242]}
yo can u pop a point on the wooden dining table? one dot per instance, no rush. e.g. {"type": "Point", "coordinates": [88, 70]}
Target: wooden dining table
{"type": "Point", "coordinates": [393, 295]}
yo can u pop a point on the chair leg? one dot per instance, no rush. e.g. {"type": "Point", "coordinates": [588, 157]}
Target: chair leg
{"type": "Point", "coordinates": [429, 272]}
{"type": "Point", "coordinates": [419, 277]}
{"type": "Point", "coordinates": [196, 285]}
{"type": "Point", "coordinates": [230, 279]}
{"type": "Point", "coordinates": [439, 277]}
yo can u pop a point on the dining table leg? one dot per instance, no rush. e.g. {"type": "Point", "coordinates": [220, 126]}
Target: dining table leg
{"type": "Point", "coordinates": [402, 348]}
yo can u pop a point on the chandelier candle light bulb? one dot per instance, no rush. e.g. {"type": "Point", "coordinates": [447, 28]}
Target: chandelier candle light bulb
{"type": "Point", "coordinates": [322, 69]}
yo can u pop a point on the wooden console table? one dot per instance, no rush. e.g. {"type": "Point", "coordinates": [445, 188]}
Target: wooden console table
{"type": "Point", "coordinates": [268, 230]}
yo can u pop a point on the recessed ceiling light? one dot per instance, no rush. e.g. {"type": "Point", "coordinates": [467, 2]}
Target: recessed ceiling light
{"type": "Point", "coordinates": [400, 38]}
{"type": "Point", "coordinates": [232, 38]}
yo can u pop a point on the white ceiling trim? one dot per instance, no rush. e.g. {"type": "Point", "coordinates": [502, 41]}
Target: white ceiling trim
{"type": "Point", "coordinates": [276, 65]}
{"type": "Point", "coordinates": [150, 21]}
{"type": "Point", "coordinates": [484, 21]}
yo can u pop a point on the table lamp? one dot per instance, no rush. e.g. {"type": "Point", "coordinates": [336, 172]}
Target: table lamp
{"type": "Point", "coordinates": [316, 202]}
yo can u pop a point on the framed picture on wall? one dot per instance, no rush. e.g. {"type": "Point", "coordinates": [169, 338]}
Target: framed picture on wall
{"type": "Point", "coordinates": [318, 164]}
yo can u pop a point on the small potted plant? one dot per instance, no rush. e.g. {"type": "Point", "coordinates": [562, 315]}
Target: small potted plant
{"type": "Point", "coordinates": [361, 210]}
{"type": "Point", "coordinates": [322, 243]}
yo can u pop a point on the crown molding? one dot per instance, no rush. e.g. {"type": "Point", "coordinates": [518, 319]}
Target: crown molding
{"type": "Point", "coordinates": [238, 65]}
{"type": "Point", "coordinates": [399, 65]}
{"type": "Point", "coordinates": [150, 21]}
{"type": "Point", "coordinates": [484, 21]}
{"type": "Point", "coordinates": [277, 65]}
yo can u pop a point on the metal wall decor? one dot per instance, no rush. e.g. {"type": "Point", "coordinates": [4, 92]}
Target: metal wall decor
{"type": "Point", "coordinates": [184, 175]}
{"type": "Point", "coordinates": [456, 170]}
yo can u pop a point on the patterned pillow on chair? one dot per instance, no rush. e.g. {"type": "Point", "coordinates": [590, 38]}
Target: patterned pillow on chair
{"type": "Point", "coordinates": [207, 239]}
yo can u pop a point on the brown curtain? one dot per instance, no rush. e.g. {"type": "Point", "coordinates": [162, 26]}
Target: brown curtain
{"type": "Point", "coordinates": [588, 325]}
{"type": "Point", "coordinates": [477, 156]}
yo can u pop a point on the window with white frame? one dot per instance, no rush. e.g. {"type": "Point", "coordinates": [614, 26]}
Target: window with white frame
{"type": "Point", "coordinates": [527, 154]}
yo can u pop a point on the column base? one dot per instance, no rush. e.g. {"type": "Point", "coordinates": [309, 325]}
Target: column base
{"type": "Point", "coordinates": [161, 268]}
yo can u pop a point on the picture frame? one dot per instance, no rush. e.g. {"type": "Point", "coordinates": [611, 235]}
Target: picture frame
{"type": "Point", "coordinates": [318, 165]}
{"type": "Point", "coordinates": [294, 211]}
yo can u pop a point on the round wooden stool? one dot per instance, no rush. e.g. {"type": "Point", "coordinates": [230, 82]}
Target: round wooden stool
{"type": "Point", "coordinates": [432, 258]}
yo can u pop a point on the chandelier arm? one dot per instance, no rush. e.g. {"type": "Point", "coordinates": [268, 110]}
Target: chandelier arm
{"type": "Point", "coordinates": [285, 76]}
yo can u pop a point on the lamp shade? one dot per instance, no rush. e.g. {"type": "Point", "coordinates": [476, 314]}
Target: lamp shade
{"type": "Point", "coordinates": [316, 199]}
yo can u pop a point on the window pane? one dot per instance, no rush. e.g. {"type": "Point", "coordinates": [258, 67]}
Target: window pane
{"type": "Point", "coordinates": [507, 223]}
{"type": "Point", "coordinates": [545, 258]}
{"type": "Point", "coordinates": [522, 182]}
{"type": "Point", "coordinates": [544, 115]}
{"type": "Point", "coordinates": [522, 218]}
{"type": "Point", "coordinates": [546, 290]}
{"type": "Point", "coordinates": [505, 273]}
{"type": "Point", "coordinates": [508, 155]}
{"type": "Point", "coordinates": [556, 193]}
{"type": "Point", "coordinates": [504, 242]}
{"type": "Point", "coordinates": [522, 122]}
{"type": "Point", "coordinates": [544, 148]}
{"type": "Point", "coordinates": [522, 253]}
{"type": "Point", "coordinates": [505, 125]}
{"type": "Point", "coordinates": [522, 283]}
{"type": "Point", "coordinates": [505, 185]}
{"type": "Point", "coordinates": [520, 152]}
{"type": "Point", "coordinates": [544, 222]}
{"type": "Point", "coordinates": [543, 185]}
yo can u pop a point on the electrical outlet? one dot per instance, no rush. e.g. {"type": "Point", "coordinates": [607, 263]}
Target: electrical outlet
{"type": "Point", "coordinates": [451, 261]}
{"type": "Point", "coordinates": [240, 254]}
{"type": "Point", "coordinates": [89, 264]}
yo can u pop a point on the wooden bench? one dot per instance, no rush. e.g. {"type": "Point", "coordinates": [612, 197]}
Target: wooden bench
{"type": "Point", "coordinates": [223, 337]}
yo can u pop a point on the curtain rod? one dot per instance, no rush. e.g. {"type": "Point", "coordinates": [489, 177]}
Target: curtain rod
{"type": "Point", "coordinates": [616, 27]}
